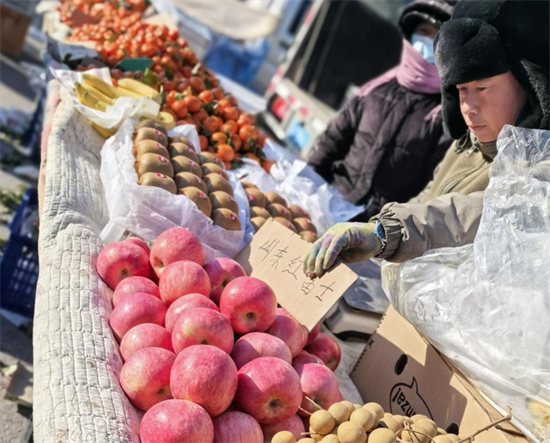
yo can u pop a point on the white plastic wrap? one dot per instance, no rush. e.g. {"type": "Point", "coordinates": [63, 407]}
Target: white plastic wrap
{"type": "Point", "coordinates": [486, 306]}
{"type": "Point", "coordinates": [123, 109]}
{"type": "Point", "coordinates": [148, 211]}
{"type": "Point", "coordinates": [300, 184]}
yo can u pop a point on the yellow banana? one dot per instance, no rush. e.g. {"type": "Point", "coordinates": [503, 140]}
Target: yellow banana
{"type": "Point", "coordinates": [123, 92]}
{"type": "Point", "coordinates": [95, 82]}
{"type": "Point", "coordinates": [167, 120]}
{"type": "Point", "coordinates": [80, 90]}
{"type": "Point", "coordinates": [97, 94]}
{"type": "Point", "coordinates": [140, 88]}
{"type": "Point", "coordinates": [105, 133]}
{"type": "Point", "coordinates": [88, 100]}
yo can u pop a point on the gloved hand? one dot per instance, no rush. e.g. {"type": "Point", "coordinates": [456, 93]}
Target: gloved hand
{"type": "Point", "coordinates": [353, 242]}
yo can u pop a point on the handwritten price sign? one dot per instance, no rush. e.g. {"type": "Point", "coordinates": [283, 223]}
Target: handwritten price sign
{"type": "Point", "coordinates": [276, 256]}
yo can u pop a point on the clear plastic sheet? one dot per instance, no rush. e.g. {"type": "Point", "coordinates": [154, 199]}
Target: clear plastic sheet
{"type": "Point", "coordinates": [486, 306]}
{"type": "Point", "coordinates": [148, 211]}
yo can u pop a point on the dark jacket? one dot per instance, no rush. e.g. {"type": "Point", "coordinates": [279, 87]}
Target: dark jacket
{"type": "Point", "coordinates": [382, 147]}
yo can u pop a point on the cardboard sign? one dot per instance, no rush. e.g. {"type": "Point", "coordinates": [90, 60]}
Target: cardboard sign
{"type": "Point", "coordinates": [276, 256]}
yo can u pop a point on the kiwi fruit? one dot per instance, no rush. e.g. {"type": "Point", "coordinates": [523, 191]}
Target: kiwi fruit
{"type": "Point", "coordinates": [214, 168]}
{"type": "Point", "coordinates": [226, 219]}
{"type": "Point", "coordinates": [273, 197]}
{"type": "Point", "coordinates": [177, 139]}
{"type": "Point", "coordinates": [303, 224]}
{"type": "Point", "coordinates": [176, 149]}
{"type": "Point", "coordinates": [278, 210]}
{"type": "Point", "coordinates": [152, 124]}
{"type": "Point", "coordinates": [216, 183]}
{"type": "Point", "coordinates": [255, 197]}
{"type": "Point", "coordinates": [257, 211]}
{"type": "Point", "coordinates": [149, 146]}
{"type": "Point", "coordinates": [340, 412]}
{"type": "Point", "coordinates": [188, 179]}
{"type": "Point", "coordinates": [283, 437]}
{"type": "Point", "coordinates": [222, 199]}
{"type": "Point", "coordinates": [183, 164]}
{"type": "Point", "coordinates": [364, 417]}
{"type": "Point", "coordinates": [310, 237]}
{"type": "Point", "coordinates": [322, 422]}
{"type": "Point", "coordinates": [154, 163]}
{"type": "Point", "coordinates": [199, 198]}
{"type": "Point", "coordinates": [151, 134]}
{"type": "Point", "coordinates": [376, 408]}
{"type": "Point", "coordinates": [159, 181]}
{"type": "Point", "coordinates": [247, 185]}
{"type": "Point", "coordinates": [285, 223]}
{"type": "Point", "coordinates": [257, 223]}
{"type": "Point", "coordinates": [350, 432]}
{"type": "Point", "coordinates": [382, 435]}
{"type": "Point", "coordinates": [208, 157]}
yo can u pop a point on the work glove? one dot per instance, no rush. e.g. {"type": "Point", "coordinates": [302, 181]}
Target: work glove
{"type": "Point", "coordinates": [352, 242]}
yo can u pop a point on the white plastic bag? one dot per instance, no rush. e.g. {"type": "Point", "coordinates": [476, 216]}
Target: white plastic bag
{"type": "Point", "coordinates": [123, 109]}
{"type": "Point", "coordinates": [148, 211]}
{"type": "Point", "coordinates": [486, 306]}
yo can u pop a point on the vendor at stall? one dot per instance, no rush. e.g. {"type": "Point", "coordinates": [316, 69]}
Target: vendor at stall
{"type": "Point", "coordinates": [385, 144]}
{"type": "Point", "coordinates": [493, 59]}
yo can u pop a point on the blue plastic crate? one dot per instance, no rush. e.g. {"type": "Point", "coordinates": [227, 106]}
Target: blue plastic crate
{"type": "Point", "coordinates": [19, 264]}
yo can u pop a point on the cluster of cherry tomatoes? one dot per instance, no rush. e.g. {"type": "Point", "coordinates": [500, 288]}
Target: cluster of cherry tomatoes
{"type": "Point", "coordinates": [111, 13]}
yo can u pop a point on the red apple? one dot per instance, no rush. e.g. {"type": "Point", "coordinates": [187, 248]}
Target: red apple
{"type": "Point", "coordinates": [320, 385]}
{"type": "Point", "coordinates": [145, 377]}
{"type": "Point", "coordinates": [131, 285]}
{"type": "Point", "coordinates": [237, 427]}
{"type": "Point", "coordinates": [146, 335]}
{"type": "Point", "coordinates": [326, 348]}
{"type": "Point", "coordinates": [187, 302]}
{"type": "Point", "coordinates": [259, 344]}
{"type": "Point", "coordinates": [221, 271]}
{"type": "Point", "coordinates": [134, 310]}
{"type": "Point", "coordinates": [202, 326]}
{"type": "Point", "coordinates": [182, 278]}
{"type": "Point", "coordinates": [140, 243]}
{"type": "Point", "coordinates": [120, 260]}
{"type": "Point", "coordinates": [174, 245]}
{"type": "Point", "coordinates": [293, 424]}
{"type": "Point", "coordinates": [313, 334]}
{"type": "Point", "coordinates": [289, 330]}
{"type": "Point", "coordinates": [269, 390]}
{"type": "Point", "coordinates": [304, 358]}
{"type": "Point", "coordinates": [176, 421]}
{"type": "Point", "coordinates": [249, 304]}
{"type": "Point", "coordinates": [206, 376]}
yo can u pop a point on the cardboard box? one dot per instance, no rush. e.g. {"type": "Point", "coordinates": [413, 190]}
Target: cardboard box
{"type": "Point", "coordinates": [402, 372]}
{"type": "Point", "coordinates": [13, 30]}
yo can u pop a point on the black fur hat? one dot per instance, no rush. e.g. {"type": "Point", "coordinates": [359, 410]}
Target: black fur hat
{"type": "Point", "coordinates": [435, 12]}
{"type": "Point", "coordinates": [491, 37]}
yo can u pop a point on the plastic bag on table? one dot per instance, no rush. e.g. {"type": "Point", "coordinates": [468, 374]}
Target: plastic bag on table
{"type": "Point", "coordinates": [300, 184]}
{"type": "Point", "coordinates": [148, 211]}
{"type": "Point", "coordinates": [486, 306]}
{"type": "Point", "coordinates": [123, 109]}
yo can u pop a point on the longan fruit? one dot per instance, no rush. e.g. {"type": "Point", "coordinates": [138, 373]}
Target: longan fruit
{"type": "Point", "coordinates": [226, 219]}
{"type": "Point", "coordinates": [350, 432]}
{"type": "Point", "coordinates": [363, 417]}
{"type": "Point", "coordinates": [273, 197]}
{"type": "Point", "coordinates": [214, 168]}
{"type": "Point", "coordinates": [255, 197]}
{"type": "Point", "coordinates": [349, 404]}
{"type": "Point", "coordinates": [257, 223]}
{"type": "Point", "coordinates": [415, 437]}
{"type": "Point", "coordinates": [222, 199]}
{"type": "Point", "coordinates": [208, 157]}
{"type": "Point", "coordinates": [382, 435]}
{"type": "Point", "coordinates": [257, 211]}
{"type": "Point", "coordinates": [184, 164]}
{"type": "Point", "coordinates": [247, 185]}
{"type": "Point", "coordinates": [340, 412]}
{"type": "Point", "coordinates": [278, 210]}
{"type": "Point", "coordinates": [149, 146]}
{"type": "Point", "coordinates": [441, 431]}
{"type": "Point", "coordinates": [443, 439]}
{"type": "Point", "coordinates": [216, 183]}
{"type": "Point", "coordinates": [177, 149]}
{"type": "Point", "coordinates": [159, 181]}
{"type": "Point", "coordinates": [419, 417]}
{"type": "Point", "coordinates": [152, 124]}
{"type": "Point", "coordinates": [391, 424]}
{"type": "Point", "coordinates": [314, 435]}
{"type": "Point", "coordinates": [199, 198]}
{"type": "Point", "coordinates": [335, 431]}
{"type": "Point", "coordinates": [376, 408]}
{"type": "Point", "coordinates": [322, 422]}
{"type": "Point", "coordinates": [298, 212]}
{"type": "Point", "coordinates": [429, 424]}
{"type": "Point", "coordinates": [188, 179]}
{"type": "Point", "coordinates": [331, 438]}
{"type": "Point", "coordinates": [154, 163]}
{"type": "Point", "coordinates": [285, 223]}
{"type": "Point", "coordinates": [310, 237]}
{"type": "Point", "coordinates": [306, 440]}
{"type": "Point", "coordinates": [283, 437]}
{"type": "Point", "coordinates": [356, 406]}
{"type": "Point", "coordinates": [151, 134]}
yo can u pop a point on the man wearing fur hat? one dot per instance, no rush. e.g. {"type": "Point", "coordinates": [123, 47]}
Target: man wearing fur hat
{"type": "Point", "coordinates": [493, 59]}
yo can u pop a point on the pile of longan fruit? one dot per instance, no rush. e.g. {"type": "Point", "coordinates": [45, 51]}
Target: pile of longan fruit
{"type": "Point", "coordinates": [172, 164]}
{"type": "Point", "coordinates": [270, 204]}
{"type": "Point", "coordinates": [345, 422]}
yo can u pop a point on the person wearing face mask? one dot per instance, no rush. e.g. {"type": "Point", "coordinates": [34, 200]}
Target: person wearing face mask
{"type": "Point", "coordinates": [493, 59]}
{"type": "Point", "coordinates": [386, 142]}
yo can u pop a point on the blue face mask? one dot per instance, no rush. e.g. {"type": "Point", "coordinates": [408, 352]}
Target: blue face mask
{"type": "Point", "coordinates": [425, 46]}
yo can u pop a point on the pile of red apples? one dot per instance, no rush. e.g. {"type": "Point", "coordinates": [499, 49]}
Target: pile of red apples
{"type": "Point", "coordinates": [208, 354]}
